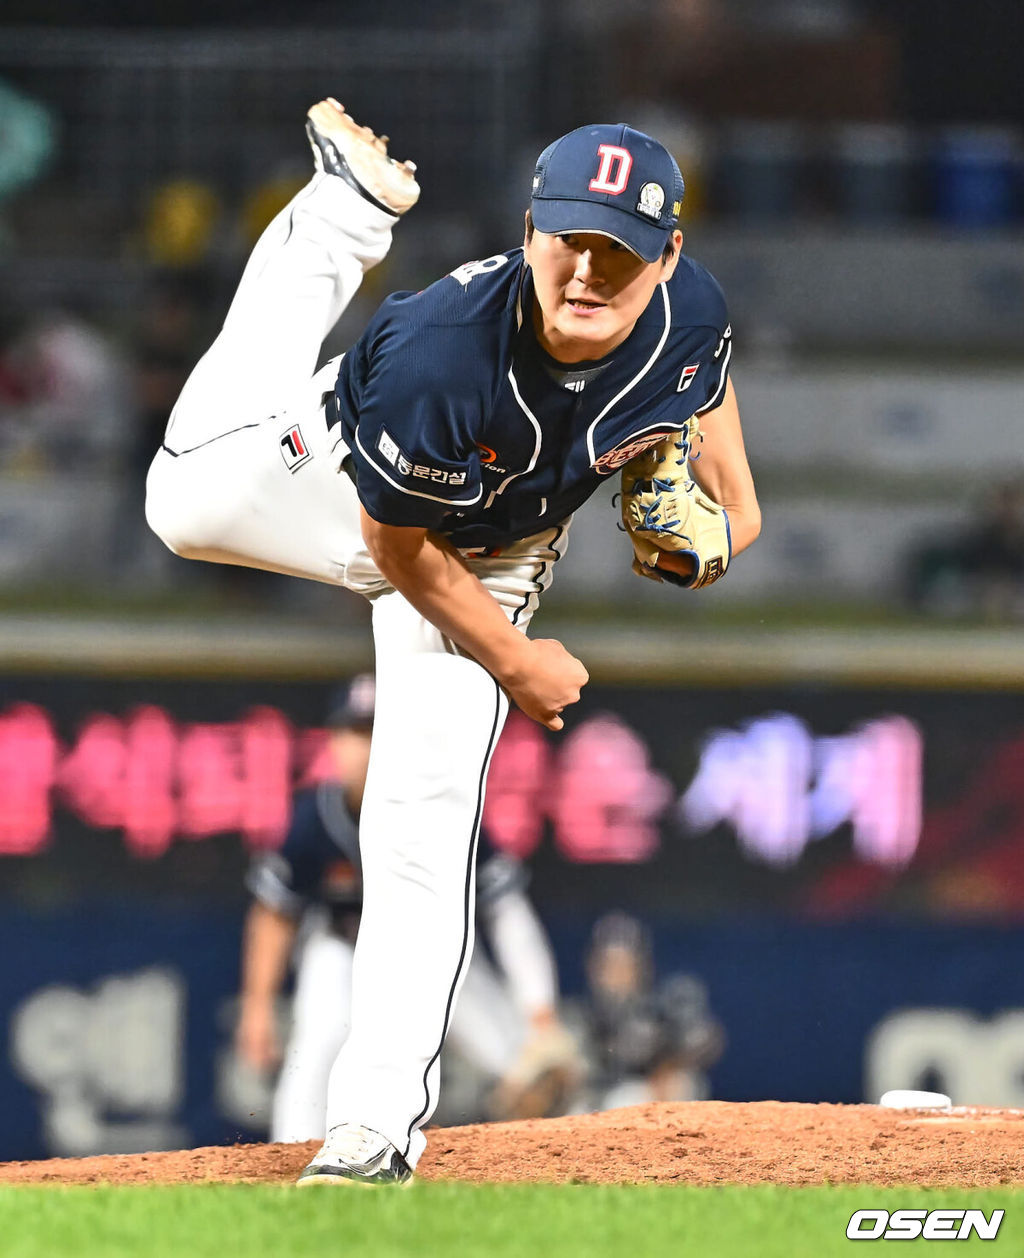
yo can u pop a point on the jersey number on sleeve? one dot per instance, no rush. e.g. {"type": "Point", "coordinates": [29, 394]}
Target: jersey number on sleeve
{"type": "Point", "coordinates": [466, 272]}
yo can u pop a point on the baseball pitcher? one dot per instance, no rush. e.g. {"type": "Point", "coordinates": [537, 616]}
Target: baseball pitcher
{"type": "Point", "coordinates": [435, 469]}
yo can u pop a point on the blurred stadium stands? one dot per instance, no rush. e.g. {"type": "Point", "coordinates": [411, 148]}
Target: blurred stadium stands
{"type": "Point", "coordinates": [871, 257]}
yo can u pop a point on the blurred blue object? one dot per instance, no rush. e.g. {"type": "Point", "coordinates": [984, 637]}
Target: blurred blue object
{"type": "Point", "coordinates": [975, 174]}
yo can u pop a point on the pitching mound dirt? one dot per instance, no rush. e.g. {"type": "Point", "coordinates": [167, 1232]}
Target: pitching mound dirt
{"type": "Point", "coordinates": [707, 1142]}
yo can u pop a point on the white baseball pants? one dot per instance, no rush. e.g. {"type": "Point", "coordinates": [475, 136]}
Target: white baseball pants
{"type": "Point", "coordinates": [222, 490]}
{"type": "Point", "coordinates": [487, 1029]}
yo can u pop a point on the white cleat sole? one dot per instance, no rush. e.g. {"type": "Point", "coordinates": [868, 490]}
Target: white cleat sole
{"type": "Point", "coordinates": [342, 147]}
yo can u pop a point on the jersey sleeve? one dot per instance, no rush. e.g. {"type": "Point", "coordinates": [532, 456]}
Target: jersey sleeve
{"type": "Point", "coordinates": [415, 459]}
{"type": "Point", "coordinates": [287, 880]}
{"type": "Point", "coordinates": [497, 873]}
{"type": "Point", "coordinates": [269, 880]}
{"type": "Point", "coordinates": [701, 342]}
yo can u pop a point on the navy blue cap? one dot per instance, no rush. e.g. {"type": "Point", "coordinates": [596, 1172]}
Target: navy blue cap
{"type": "Point", "coordinates": [351, 706]}
{"type": "Point", "coordinates": [611, 179]}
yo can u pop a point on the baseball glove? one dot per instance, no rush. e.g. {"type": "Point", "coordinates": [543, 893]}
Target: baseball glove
{"type": "Point", "coordinates": [664, 509]}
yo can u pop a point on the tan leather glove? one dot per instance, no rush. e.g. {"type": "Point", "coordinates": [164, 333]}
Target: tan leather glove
{"type": "Point", "coordinates": [664, 509]}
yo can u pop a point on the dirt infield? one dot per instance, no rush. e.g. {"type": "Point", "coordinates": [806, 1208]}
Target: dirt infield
{"type": "Point", "coordinates": [709, 1142]}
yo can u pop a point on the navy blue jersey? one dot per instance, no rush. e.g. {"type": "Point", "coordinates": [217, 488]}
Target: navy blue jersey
{"type": "Point", "coordinates": [459, 422]}
{"type": "Point", "coordinates": [319, 862]}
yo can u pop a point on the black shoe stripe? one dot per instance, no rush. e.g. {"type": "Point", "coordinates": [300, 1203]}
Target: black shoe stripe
{"type": "Point", "coordinates": [379, 1177]}
{"type": "Point", "coordinates": [335, 164]}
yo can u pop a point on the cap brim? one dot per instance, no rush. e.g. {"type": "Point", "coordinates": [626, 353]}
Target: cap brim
{"type": "Point", "coordinates": [646, 240]}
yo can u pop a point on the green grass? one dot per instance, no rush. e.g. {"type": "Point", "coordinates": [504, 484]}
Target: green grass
{"type": "Point", "coordinates": [462, 1221]}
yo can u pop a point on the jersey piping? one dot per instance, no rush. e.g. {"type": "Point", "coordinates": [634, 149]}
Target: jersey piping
{"type": "Point", "coordinates": [522, 406]}
{"type": "Point", "coordinates": [416, 493]}
{"type": "Point", "coordinates": [637, 378]}
{"type": "Point", "coordinates": [721, 381]}
{"type": "Point", "coordinates": [536, 449]}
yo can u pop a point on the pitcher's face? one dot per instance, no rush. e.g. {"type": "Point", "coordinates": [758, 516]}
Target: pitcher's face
{"type": "Point", "coordinates": [590, 291]}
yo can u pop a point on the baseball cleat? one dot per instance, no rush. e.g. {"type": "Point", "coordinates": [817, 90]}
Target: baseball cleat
{"type": "Point", "coordinates": [356, 1155]}
{"type": "Point", "coordinates": [341, 147]}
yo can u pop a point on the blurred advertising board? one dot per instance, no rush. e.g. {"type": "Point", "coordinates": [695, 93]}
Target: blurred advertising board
{"type": "Point", "coordinates": [839, 865]}
{"type": "Point", "coordinates": [118, 1018]}
{"type": "Point", "coordinates": [814, 801]}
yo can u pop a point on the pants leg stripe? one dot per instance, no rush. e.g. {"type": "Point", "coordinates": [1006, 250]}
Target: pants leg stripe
{"type": "Point", "coordinates": [467, 908]}
{"type": "Point", "coordinates": [302, 196]}
{"type": "Point", "coordinates": [176, 454]}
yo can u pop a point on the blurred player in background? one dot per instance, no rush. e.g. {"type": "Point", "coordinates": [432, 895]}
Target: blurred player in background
{"type": "Point", "coordinates": [309, 894]}
{"type": "Point", "coordinates": [645, 1041]}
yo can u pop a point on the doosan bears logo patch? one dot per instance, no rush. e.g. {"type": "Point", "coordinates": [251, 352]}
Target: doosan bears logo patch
{"type": "Point", "coordinates": [294, 450]}
{"type": "Point", "coordinates": [629, 450]}
{"type": "Point", "coordinates": [652, 200]}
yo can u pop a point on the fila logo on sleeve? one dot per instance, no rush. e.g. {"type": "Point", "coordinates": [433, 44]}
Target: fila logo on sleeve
{"type": "Point", "coordinates": [613, 172]}
{"type": "Point", "coordinates": [294, 450]}
{"type": "Point", "coordinates": [686, 379]}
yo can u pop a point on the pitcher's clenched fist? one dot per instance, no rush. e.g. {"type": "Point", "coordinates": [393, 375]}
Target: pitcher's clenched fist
{"type": "Point", "coordinates": [550, 679]}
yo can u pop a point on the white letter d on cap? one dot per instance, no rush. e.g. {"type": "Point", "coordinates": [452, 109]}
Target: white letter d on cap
{"type": "Point", "coordinates": [611, 154]}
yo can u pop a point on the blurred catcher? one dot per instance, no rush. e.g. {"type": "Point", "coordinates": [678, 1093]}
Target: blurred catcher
{"type": "Point", "coordinates": [505, 1025]}
{"type": "Point", "coordinates": [645, 1040]}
